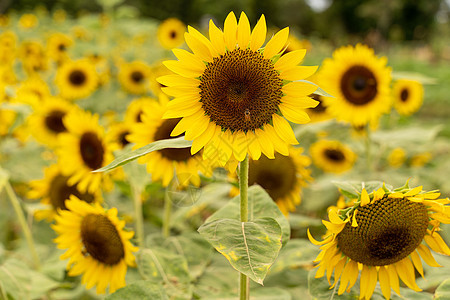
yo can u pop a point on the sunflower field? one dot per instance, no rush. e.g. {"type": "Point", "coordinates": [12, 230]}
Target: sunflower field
{"type": "Point", "coordinates": [220, 157]}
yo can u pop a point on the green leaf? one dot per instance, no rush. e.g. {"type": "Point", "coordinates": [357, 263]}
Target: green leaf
{"type": "Point", "coordinates": [443, 290]}
{"type": "Point", "coordinates": [250, 247]}
{"type": "Point", "coordinates": [319, 289]}
{"type": "Point", "coordinates": [260, 205]}
{"type": "Point", "coordinates": [143, 290]}
{"type": "Point", "coordinates": [15, 280]}
{"type": "Point", "coordinates": [179, 142]}
{"type": "Point", "coordinates": [41, 284]}
{"type": "Point", "coordinates": [296, 254]}
{"type": "Point", "coordinates": [167, 268]}
{"type": "Point", "coordinates": [352, 189]}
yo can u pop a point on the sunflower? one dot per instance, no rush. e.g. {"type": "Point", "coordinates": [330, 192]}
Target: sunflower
{"type": "Point", "coordinates": [171, 33]}
{"type": "Point", "coordinates": [283, 177]}
{"type": "Point", "coordinates": [332, 156]}
{"type": "Point", "coordinates": [28, 21]}
{"type": "Point", "coordinates": [168, 163]}
{"type": "Point", "coordinates": [232, 96]}
{"type": "Point", "coordinates": [83, 149]}
{"type": "Point", "coordinates": [382, 236]}
{"type": "Point", "coordinates": [33, 57]}
{"type": "Point", "coordinates": [97, 244]}
{"type": "Point", "coordinates": [7, 47]}
{"type": "Point", "coordinates": [118, 134]}
{"type": "Point", "coordinates": [57, 45]}
{"type": "Point", "coordinates": [420, 159]}
{"type": "Point", "coordinates": [295, 44]}
{"type": "Point", "coordinates": [33, 91]}
{"type": "Point", "coordinates": [396, 157]}
{"type": "Point", "coordinates": [359, 81]}
{"type": "Point", "coordinates": [158, 70]}
{"type": "Point", "coordinates": [135, 109]}
{"type": "Point", "coordinates": [8, 117]}
{"type": "Point", "coordinates": [408, 96]}
{"type": "Point", "coordinates": [76, 79]}
{"type": "Point", "coordinates": [54, 190]}
{"type": "Point", "coordinates": [46, 121]}
{"type": "Point", "coordinates": [134, 77]}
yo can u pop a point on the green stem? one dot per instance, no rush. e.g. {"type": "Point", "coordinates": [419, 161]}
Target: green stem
{"type": "Point", "coordinates": [167, 212]}
{"type": "Point", "coordinates": [26, 230]}
{"type": "Point", "coordinates": [368, 152]}
{"type": "Point", "coordinates": [243, 190]}
{"type": "Point", "coordinates": [138, 215]}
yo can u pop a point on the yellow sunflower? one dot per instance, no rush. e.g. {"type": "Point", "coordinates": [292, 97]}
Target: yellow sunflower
{"type": "Point", "coordinates": [283, 177]}
{"type": "Point", "coordinates": [54, 190]}
{"type": "Point", "coordinates": [7, 118]}
{"type": "Point", "coordinates": [359, 81]}
{"type": "Point", "coordinates": [420, 159]}
{"type": "Point", "coordinates": [158, 70]}
{"type": "Point", "coordinates": [8, 41]}
{"type": "Point", "coordinates": [76, 79]}
{"type": "Point", "coordinates": [408, 96]}
{"type": "Point", "coordinates": [118, 134]}
{"type": "Point", "coordinates": [397, 157]}
{"type": "Point", "coordinates": [232, 96]}
{"type": "Point", "coordinates": [171, 33]}
{"type": "Point", "coordinates": [28, 21]}
{"type": "Point", "coordinates": [97, 244]}
{"type": "Point", "coordinates": [135, 109]}
{"type": "Point", "coordinates": [83, 149]}
{"type": "Point", "coordinates": [134, 77]}
{"type": "Point", "coordinates": [168, 163]}
{"type": "Point", "coordinates": [332, 156]}
{"type": "Point", "coordinates": [33, 91]}
{"type": "Point", "coordinates": [295, 44]}
{"type": "Point", "coordinates": [382, 236]}
{"type": "Point", "coordinates": [57, 45]}
{"type": "Point", "coordinates": [46, 121]}
{"type": "Point", "coordinates": [33, 57]}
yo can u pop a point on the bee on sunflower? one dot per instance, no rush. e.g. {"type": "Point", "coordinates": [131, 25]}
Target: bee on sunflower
{"type": "Point", "coordinates": [235, 98]}
{"type": "Point", "coordinates": [382, 235]}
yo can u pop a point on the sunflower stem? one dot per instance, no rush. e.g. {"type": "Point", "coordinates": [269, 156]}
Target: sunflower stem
{"type": "Point", "coordinates": [243, 190]}
{"type": "Point", "coordinates": [138, 215]}
{"type": "Point", "coordinates": [368, 143]}
{"type": "Point", "coordinates": [167, 212]}
{"type": "Point", "coordinates": [26, 230]}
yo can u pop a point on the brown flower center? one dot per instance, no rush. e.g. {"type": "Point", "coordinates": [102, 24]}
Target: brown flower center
{"type": "Point", "coordinates": [137, 76]}
{"type": "Point", "coordinates": [320, 108]}
{"type": "Point", "coordinates": [92, 150]}
{"type": "Point", "coordinates": [101, 239]}
{"type": "Point", "coordinates": [240, 90]}
{"type": "Point", "coordinates": [77, 77]}
{"type": "Point", "coordinates": [334, 155]}
{"type": "Point", "coordinates": [162, 133]}
{"type": "Point", "coordinates": [60, 191]}
{"type": "Point", "coordinates": [359, 85]}
{"type": "Point", "coordinates": [54, 121]}
{"type": "Point", "coordinates": [277, 176]}
{"type": "Point", "coordinates": [388, 230]}
{"type": "Point", "coordinates": [404, 95]}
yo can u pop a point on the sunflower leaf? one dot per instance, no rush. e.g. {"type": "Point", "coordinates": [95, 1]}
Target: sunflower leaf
{"type": "Point", "coordinates": [143, 289]}
{"type": "Point", "coordinates": [250, 247]}
{"type": "Point", "coordinates": [158, 145]}
{"type": "Point", "coordinates": [443, 290]}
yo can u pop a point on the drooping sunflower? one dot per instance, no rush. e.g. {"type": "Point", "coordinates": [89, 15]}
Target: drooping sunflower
{"type": "Point", "coordinates": [76, 79]}
{"type": "Point", "coordinates": [134, 77]}
{"type": "Point", "coordinates": [171, 33]}
{"type": "Point", "coordinates": [282, 177]}
{"type": "Point", "coordinates": [54, 190]}
{"type": "Point", "coordinates": [232, 96]}
{"type": "Point", "coordinates": [46, 121]}
{"type": "Point", "coordinates": [98, 246]}
{"type": "Point", "coordinates": [83, 149]}
{"type": "Point", "coordinates": [165, 164]}
{"type": "Point", "coordinates": [359, 81]}
{"type": "Point", "coordinates": [382, 236]}
{"type": "Point", "coordinates": [408, 96]}
{"type": "Point", "coordinates": [57, 46]}
{"type": "Point", "coordinates": [332, 156]}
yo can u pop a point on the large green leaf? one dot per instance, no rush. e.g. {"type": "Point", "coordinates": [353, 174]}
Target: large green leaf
{"type": "Point", "coordinates": [296, 254]}
{"type": "Point", "coordinates": [319, 289]}
{"type": "Point", "coordinates": [260, 205]}
{"type": "Point", "coordinates": [443, 290]}
{"type": "Point", "coordinates": [142, 290]}
{"type": "Point", "coordinates": [250, 247]}
{"type": "Point", "coordinates": [15, 280]}
{"type": "Point", "coordinates": [179, 142]}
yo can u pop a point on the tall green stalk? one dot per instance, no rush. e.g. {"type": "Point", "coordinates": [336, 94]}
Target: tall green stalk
{"type": "Point", "coordinates": [167, 211]}
{"type": "Point", "coordinates": [139, 218]}
{"type": "Point", "coordinates": [26, 230]}
{"type": "Point", "coordinates": [244, 292]}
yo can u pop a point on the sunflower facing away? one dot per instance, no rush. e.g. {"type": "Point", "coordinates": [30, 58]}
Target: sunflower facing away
{"type": "Point", "coordinates": [283, 177]}
{"type": "Point", "coordinates": [408, 96]}
{"type": "Point", "coordinates": [53, 190]}
{"type": "Point", "coordinates": [97, 244]}
{"type": "Point", "coordinates": [332, 156]}
{"type": "Point", "coordinates": [83, 149]}
{"type": "Point", "coordinates": [359, 81]}
{"type": "Point", "coordinates": [76, 79]}
{"type": "Point", "coordinates": [232, 96]}
{"type": "Point", "coordinates": [171, 33]}
{"type": "Point", "coordinates": [168, 163]}
{"type": "Point", "coordinates": [383, 235]}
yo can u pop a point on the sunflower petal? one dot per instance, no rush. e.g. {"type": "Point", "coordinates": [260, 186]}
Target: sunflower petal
{"type": "Point", "coordinates": [217, 38]}
{"type": "Point", "coordinates": [258, 36]}
{"type": "Point", "coordinates": [276, 43]}
{"type": "Point", "coordinates": [243, 31]}
{"type": "Point", "coordinates": [230, 30]}
{"type": "Point", "coordinates": [200, 50]}
{"type": "Point", "coordinates": [290, 59]}
{"type": "Point", "coordinates": [298, 73]}
{"type": "Point", "coordinates": [284, 130]}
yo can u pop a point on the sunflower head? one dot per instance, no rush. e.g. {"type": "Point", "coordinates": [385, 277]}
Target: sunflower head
{"type": "Point", "coordinates": [332, 156]}
{"type": "Point", "coordinates": [76, 79]}
{"type": "Point", "coordinates": [408, 96]}
{"type": "Point", "coordinates": [384, 232]}
{"type": "Point", "coordinates": [134, 77]}
{"type": "Point", "coordinates": [171, 33]}
{"type": "Point", "coordinates": [233, 96]}
{"type": "Point", "coordinates": [359, 81]}
{"type": "Point", "coordinates": [97, 245]}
